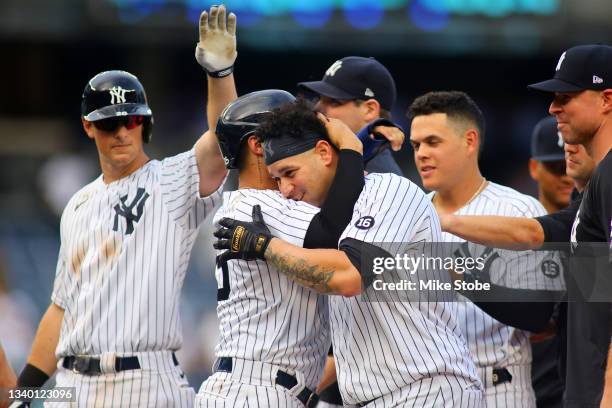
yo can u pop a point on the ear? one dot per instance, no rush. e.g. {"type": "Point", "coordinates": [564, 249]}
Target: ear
{"type": "Point", "coordinates": [534, 169]}
{"type": "Point", "coordinates": [472, 140]}
{"type": "Point", "coordinates": [325, 151]}
{"type": "Point", "coordinates": [88, 128]}
{"type": "Point", "coordinates": [372, 109]}
{"type": "Point", "coordinates": [606, 96]}
{"type": "Point", "coordinates": [255, 145]}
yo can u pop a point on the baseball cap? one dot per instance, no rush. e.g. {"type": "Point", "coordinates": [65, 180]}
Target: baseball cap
{"type": "Point", "coordinates": [546, 141]}
{"type": "Point", "coordinates": [355, 78]}
{"type": "Point", "coordinates": [579, 68]}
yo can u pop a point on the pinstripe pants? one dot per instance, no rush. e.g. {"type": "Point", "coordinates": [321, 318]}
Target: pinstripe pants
{"type": "Point", "coordinates": [158, 383]}
{"type": "Point", "coordinates": [517, 393]}
{"type": "Point", "coordinates": [220, 390]}
{"type": "Point", "coordinates": [442, 391]}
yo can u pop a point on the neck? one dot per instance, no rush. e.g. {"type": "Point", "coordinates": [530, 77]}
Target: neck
{"type": "Point", "coordinates": [112, 172]}
{"type": "Point", "coordinates": [601, 143]}
{"type": "Point", "coordinates": [255, 175]}
{"type": "Point", "coordinates": [449, 200]}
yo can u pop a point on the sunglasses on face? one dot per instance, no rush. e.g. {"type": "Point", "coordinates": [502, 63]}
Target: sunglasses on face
{"type": "Point", "coordinates": [112, 124]}
{"type": "Point", "coordinates": [555, 167]}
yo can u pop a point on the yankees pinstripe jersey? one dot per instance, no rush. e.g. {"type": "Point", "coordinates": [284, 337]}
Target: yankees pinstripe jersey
{"type": "Point", "coordinates": [492, 343]}
{"type": "Point", "coordinates": [263, 315]}
{"type": "Point", "coordinates": [123, 256]}
{"type": "Point", "coordinates": [384, 346]}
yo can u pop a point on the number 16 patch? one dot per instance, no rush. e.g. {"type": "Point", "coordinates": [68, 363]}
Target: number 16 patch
{"type": "Point", "coordinates": [365, 222]}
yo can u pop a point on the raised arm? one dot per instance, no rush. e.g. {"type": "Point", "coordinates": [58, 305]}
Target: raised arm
{"type": "Point", "coordinates": [216, 53]}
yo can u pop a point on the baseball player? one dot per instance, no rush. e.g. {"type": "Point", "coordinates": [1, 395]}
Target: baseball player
{"type": "Point", "coordinates": [113, 324]}
{"type": "Point", "coordinates": [581, 105]}
{"type": "Point", "coordinates": [387, 353]}
{"type": "Point", "coordinates": [447, 133]}
{"type": "Point", "coordinates": [547, 167]}
{"type": "Point", "coordinates": [273, 332]}
{"type": "Point", "coordinates": [359, 90]}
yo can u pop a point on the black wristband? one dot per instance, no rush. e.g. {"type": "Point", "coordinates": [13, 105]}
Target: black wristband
{"type": "Point", "coordinates": [221, 73]}
{"type": "Point", "coordinates": [32, 377]}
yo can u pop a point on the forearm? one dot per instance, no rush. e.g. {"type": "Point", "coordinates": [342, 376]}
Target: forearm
{"type": "Point", "coordinates": [221, 91]}
{"type": "Point", "coordinates": [7, 375]}
{"type": "Point", "coordinates": [324, 270]}
{"type": "Point", "coordinates": [514, 233]}
{"type": "Point", "coordinates": [42, 355]}
{"type": "Point", "coordinates": [329, 374]}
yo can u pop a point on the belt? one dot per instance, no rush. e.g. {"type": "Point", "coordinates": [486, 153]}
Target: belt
{"type": "Point", "coordinates": [363, 404]}
{"type": "Point", "coordinates": [91, 365]}
{"type": "Point", "coordinates": [501, 375]}
{"type": "Point", "coordinates": [284, 379]}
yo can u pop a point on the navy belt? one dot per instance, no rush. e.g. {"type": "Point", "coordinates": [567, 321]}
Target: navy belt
{"type": "Point", "coordinates": [306, 396]}
{"type": "Point", "coordinates": [91, 366]}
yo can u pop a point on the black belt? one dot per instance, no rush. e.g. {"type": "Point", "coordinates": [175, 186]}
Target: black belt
{"type": "Point", "coordinates": [363, 404]}
{"type": "Point", "coordinates": [501, 375]}
{"type": "Point", "coordinates": [91, 366]}
{"type": "Point", "coordinates": [306, 396]}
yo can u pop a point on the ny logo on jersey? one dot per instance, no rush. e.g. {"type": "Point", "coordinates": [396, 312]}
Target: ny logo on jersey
{"type": "Point", "coordinates": [489, 255]}
{"type": "Point", "coordinates": [331, 71]}
{"type": "Point", "coordinates": [118, 94]}
{"type": "Point", "coordinates": [125, 210]}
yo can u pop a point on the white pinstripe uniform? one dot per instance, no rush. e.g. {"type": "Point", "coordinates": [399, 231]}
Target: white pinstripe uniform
{"type": "Point", "coordinates": [493, 344]}
{"type": "Point", "coordinates": [267, 322]}
{"type": "Point", "coordinates": [124, 252]}
{"type": "Point", "coordinates": [399, 353]}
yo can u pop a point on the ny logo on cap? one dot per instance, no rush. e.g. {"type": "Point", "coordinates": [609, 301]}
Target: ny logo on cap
{"type": "Point", "coordinates": [118, 94]}
{"type": "Point", "coordinates": [560, 61]}
{"type": "Point", "coordinates": [331, 71]}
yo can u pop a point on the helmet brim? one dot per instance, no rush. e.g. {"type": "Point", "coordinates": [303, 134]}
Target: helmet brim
{"type": "Point", "coordinates": [124, 109]}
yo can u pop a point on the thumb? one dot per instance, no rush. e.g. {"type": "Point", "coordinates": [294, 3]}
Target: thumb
{"type": "Point", "coordinates": [257, 216]}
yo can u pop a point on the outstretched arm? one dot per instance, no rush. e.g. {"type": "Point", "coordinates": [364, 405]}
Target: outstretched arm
{"type": "Point", "coordinates": [216, 53]}
{"type": "Point", "coordinates": [606, 401]}
{"type": "Point", "coordinates": [515, 233]}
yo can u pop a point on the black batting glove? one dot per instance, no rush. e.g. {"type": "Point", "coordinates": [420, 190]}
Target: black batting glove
{"type": "Point", "coordinates": [242, 239]}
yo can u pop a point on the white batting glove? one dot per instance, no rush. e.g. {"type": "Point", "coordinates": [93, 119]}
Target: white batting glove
{"type": "Point", "coordinates": [216, 51]}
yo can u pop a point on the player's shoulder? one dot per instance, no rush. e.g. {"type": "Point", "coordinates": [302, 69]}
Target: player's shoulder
{"type": "Point", "coordinates": [518, 204]}
{"type": "Point", "coordinates": [383, 184]}
{"type": "Point", "coordinates": [85, 192]}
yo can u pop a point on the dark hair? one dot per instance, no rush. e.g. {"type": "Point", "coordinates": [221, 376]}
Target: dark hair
{"type": "Point", "coordinates": [293, 119]}
{"type": "Point", "coordinates": [456, 105]}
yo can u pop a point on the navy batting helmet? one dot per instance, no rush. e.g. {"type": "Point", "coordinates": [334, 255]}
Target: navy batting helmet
{"type": "Point", "coordinates": [242, 117]}
{"type": "Point", "coordinates": [116, 93]}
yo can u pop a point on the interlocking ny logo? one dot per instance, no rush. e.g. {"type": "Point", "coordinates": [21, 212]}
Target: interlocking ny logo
{"type": "Point", "coordinates": [331, 71]}
{"type": "Point", "coordinates": [118, 94]}
{"type": "Point", "coordinates": [560, 62]}
{"type": "Point", "coordinates": [125, 210]}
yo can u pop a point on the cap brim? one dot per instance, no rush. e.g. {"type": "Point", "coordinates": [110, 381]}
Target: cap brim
{"type": "Point", "coordinates": [124, 109]}
{"type": "Point", "coordinates": [325, 89]}
{"type": "Point", "coordinates": [555, 85]}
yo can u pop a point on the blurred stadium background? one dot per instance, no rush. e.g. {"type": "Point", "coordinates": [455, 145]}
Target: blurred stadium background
{"type": "Point", "coordinates": [489, 48]}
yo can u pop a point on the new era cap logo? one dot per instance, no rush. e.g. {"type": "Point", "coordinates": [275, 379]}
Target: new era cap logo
{"type": "Point", "coordinates": [368, 92]}
{"type": "Point", "coordinates": [560, 62]}
{"type": "Point", "coordinates": [597, 80]}
{"type": "Point", "coordinates": [331, 71]}
{"type": "Point", "coordinates": [560, 141]}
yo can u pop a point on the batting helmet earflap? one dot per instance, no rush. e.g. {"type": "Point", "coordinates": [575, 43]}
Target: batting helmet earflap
{"type": "Point", "coordinates": [116, 93]}
{"type": "Point", "coordinates": [242, 117]}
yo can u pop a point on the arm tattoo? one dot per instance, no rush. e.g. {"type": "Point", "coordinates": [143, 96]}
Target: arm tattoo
{"type": "Point", "coordinates": [299, 270]}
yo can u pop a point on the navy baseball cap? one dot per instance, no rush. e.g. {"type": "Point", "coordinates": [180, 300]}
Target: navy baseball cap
{"type": "Point", "coordinates": [355, 78]}
{"type": "Point", "coordinates": [579, 68]}
{"type": "Point", "coordinates": [546, 141]}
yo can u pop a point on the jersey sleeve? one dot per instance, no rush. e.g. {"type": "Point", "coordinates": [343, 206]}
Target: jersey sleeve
{"type": "Point", "coordinates": [180, 186]}
{"type": "Point", "coordinates": [558, 226]}
{"type": "Point", "coordinates": [391, 209]}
